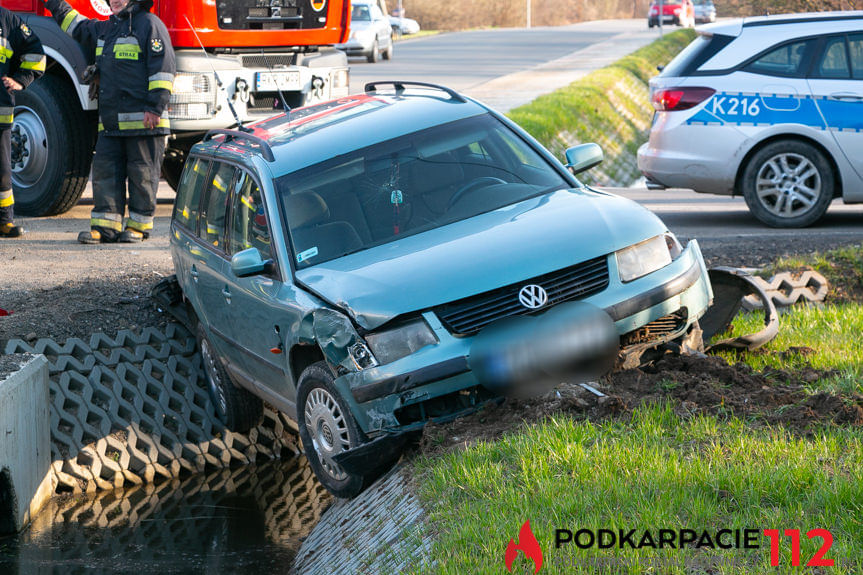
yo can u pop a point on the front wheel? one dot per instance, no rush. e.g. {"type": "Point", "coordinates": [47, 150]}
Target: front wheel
{"type": "Point", "coordinates": [52, 148]}
{"type": "Point", "coordinates": [375, 54]}
{"type": "Point", "coordinates": [328, 428]}
{"type": "Point", "coordinates": [788, 184]}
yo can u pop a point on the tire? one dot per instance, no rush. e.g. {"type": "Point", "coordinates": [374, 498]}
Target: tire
{"type": "Point", "coordinates": [52, 148]}
{"type": "Point", "coordinates": [375, 54]}
{"type": "Point", "coordinates": [172, 167]}
{"type": "Point", "coordinates": [238, 409]}
{"type": "Point", "coordinates": [327, 428]}
{"type": "Point", "coordinates": [788, 184]}
{"type": "Point", "coordinates": [388, 53]}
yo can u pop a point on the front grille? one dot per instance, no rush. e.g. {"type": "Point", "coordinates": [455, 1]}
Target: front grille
{"type": "Point", "coordinates": [268, 61]}
{"type": "Point", "coordinates": [469, 315]}
{"type": "Point", "coordinates": [657, 329]}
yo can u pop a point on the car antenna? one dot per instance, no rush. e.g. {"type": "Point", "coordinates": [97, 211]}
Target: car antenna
{"type": "Point", "coordinates": [285, 106]}
{"type": "Point", "coordinates": [221, 86]}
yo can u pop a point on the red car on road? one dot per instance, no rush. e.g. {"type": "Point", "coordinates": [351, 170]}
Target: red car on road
{"type": "Point", "coordinates": [677, 12]}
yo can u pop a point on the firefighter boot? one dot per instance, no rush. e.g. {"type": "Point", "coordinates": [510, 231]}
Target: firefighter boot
{"type": "Point", "coordinates": [98, 235]}
{"type": "Point", "coordinates": [130, 236]}
{"type": "Point", "coordinates": [10, 230]}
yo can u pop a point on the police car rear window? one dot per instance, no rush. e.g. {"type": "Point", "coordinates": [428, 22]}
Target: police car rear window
{"type": "Point", "coordinates": [693, 56]}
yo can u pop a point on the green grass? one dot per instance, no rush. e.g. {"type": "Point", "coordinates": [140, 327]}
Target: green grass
{"type": "Point", "coordinates": [609, 106]}
{"type": "Point", "coordinates": [832, 332]}
{"type": "Point", "coordinates": [655, 471]}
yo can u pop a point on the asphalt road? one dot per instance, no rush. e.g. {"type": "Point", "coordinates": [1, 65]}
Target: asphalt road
{"type": "Point", "coordinates": [507, 67]}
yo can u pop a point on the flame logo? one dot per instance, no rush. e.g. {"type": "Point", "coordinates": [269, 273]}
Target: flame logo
{"type": "Point", "coordinates": [528, 545]}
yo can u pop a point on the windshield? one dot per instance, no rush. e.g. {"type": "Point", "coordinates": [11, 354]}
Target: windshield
{"type": "Point", "coordinates": [361, 13]}
{"type": "Point", "coordinates": [409, 185]}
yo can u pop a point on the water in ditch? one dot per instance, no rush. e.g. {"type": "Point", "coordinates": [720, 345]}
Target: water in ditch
{"type": "Point", "coordinates": [248, 519]}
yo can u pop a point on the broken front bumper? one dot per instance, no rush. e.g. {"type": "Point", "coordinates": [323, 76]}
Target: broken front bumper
{"type": "Point", "coordinates": [439, 381]}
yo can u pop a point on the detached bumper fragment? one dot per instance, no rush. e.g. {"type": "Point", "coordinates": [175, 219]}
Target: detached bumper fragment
{"type": "Point", "coordinates": [730, 286]}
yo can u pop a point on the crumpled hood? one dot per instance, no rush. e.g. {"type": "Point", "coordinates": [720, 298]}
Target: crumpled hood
{"type": "Point", "coordinates": [495, 249]}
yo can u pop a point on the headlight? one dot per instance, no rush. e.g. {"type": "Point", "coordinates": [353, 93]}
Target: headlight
{"type": "Point", "coordinates": [401, 341]}
{"type": "Point", "coordinates": [643, 258]}
{"type": "Point", "coordinates": [340, 79]}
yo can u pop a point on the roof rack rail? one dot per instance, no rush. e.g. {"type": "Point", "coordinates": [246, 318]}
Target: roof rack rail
{"type": "Point", "coordinates": [399, 85]}
{"type": "Point", "coordinates": [266, 150]}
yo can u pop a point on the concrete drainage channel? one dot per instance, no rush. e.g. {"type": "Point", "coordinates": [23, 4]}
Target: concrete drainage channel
{"type": "Point", "coordinates": [132, 413]}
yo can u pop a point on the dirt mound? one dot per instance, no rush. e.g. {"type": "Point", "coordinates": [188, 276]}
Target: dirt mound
{"type": "Point", "coordinates": [695, 385]}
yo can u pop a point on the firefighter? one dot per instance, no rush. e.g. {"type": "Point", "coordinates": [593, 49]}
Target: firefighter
{"type": "Point", "coordinates": [135, 67]}
{"type": "Point", "coordinates": [21, 61]}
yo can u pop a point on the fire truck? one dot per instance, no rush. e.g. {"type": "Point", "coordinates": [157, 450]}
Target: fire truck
{"type": "Point", "coordinates": [257, 48]}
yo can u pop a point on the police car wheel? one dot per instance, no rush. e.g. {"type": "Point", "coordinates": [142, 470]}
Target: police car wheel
{"type": "Point", "coordinates": [328, 428]}
{"type": "Point", "coordinates": [788, 184]}
{"type": "Point", "coordinates": [238, 409]}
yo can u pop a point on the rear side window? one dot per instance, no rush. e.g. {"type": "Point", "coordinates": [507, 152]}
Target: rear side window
{"type": "Point", "coordinates": [249, 219]}
{"type": "Point", "coordinates": [693, 56]}
{"type": "Point", "coordinates": [786, 60]}
{"type": "Point", "coordinates": [833, 62]}
{"type": "Point", "coordinates": [213, 218]}
{"type": "Point", "coordinates": [189, 192]}
{"type": "Point", "coordinates": [855, 48]}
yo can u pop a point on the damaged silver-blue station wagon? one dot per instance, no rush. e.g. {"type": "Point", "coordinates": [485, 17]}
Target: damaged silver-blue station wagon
{"type": "Point", "coordinates": [373, 263]}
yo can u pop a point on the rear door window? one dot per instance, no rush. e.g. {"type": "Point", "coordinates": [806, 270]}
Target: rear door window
{"type": "Point", "coordinates": [855, 49]}
{"type": "Point", "coordinates": [786, 60]}
{"type": "Point", "coordinates": [188, 200]}
{"type": "Point", "coordinates": [214, 217]}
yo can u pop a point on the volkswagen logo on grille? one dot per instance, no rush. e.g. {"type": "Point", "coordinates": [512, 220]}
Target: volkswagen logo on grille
{"type": "Point", "coordinates": [532, 296]}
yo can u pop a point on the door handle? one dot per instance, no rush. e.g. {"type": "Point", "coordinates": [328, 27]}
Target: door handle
{"type": "Point", "coordinates": [227, 293]}
{"type": "Point", "coordinates": [194, 273]}
{"type": "Point", "coordinates": [843, 96]}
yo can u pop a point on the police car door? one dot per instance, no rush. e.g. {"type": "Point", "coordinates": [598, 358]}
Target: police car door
{"type": "Point", "coordinates": [836, 82]}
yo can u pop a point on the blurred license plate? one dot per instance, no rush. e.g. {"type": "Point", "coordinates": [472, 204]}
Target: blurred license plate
{"type": "Point", "coordinates": [271, 81]}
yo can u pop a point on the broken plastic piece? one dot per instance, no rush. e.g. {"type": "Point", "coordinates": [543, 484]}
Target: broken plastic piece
{"type": "Point", "coordinates": [730, 286]}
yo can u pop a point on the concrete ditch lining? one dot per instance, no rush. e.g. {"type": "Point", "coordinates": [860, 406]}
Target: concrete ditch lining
{"type": "Point", "coordinates": [133, 409]}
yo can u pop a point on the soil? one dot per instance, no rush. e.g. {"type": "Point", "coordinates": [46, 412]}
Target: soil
{"type": "Point", "coordinates": [693, 384]}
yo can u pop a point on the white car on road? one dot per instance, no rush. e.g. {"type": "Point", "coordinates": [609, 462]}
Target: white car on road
{"type": "Point", "coordinates": [770, 108]}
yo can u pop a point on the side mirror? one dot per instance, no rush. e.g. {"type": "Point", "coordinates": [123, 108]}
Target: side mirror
{"type": "Point", "coordinates": [249, 262]}
{"type": "Point", "coordinates": [583, 157]}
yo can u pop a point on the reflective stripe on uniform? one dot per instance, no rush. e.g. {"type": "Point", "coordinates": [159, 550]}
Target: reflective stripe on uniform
{"type": "Point", "coordinates": [6, 115]}
{"type": "Point", "coordinates": [162, 80]}
{"type": "Point", "coordinates": [71, 21]}
{"type": "Point", "coordinates": [163, 123]}
{"type": "Point", "coordinates": [100, 45]}
{"type": "Point", "coordinates": [106, 220]}
{"type": "Point", "coordinates": [33, 62]}
{"type": "Point", "coordinates": [127, 48]}
{"type": "Point", "coordinates": [101, 126]}
{"type": "Point", "coordinates": [139, 222]}
{"type": "Point", "coordinates": [6, 50]}
{"type": "Point", "coordinates": [6, 199]}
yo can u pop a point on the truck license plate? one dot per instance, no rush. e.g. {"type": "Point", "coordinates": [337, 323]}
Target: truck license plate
{"type": "Point", "coordinates": [272, 81]}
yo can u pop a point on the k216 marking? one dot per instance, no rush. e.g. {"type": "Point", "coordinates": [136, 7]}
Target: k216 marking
{"type": "Point", "coordinates": [733, 106]}
{"type": "Point", "coordinates": [794, 534]}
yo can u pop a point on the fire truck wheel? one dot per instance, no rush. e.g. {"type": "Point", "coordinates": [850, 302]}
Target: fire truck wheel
{"type": "Point", "coordinates": [52, 147]}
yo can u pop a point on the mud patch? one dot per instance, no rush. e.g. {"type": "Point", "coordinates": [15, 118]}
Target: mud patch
{"type": "Point", "coordinates": [694, 385]}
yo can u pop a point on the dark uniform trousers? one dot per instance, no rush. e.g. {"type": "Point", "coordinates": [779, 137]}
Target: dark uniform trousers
{"type": "Point", "coordinates": [118, 159]}
{"type": "Point", "coordinates": [7, 202]}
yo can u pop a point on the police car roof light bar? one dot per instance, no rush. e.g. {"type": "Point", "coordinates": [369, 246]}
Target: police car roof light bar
{"type": "Point", "coordinates": [216, 75]}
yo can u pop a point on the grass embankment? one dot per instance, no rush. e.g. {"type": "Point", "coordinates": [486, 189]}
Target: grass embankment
{"type": "Point", "coordinates": [825, 338]}
{"type": "Point", "coordinates": [662, 467]}
{"type": "Point", "coordinates": [609, 106]}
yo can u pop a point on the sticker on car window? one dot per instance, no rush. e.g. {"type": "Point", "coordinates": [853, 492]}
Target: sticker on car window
{"type": "Point", "coordinates": [308, 254]}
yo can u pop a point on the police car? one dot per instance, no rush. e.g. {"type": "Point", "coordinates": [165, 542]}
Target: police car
{"type": "Point", "coordinates": [770, 108]}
